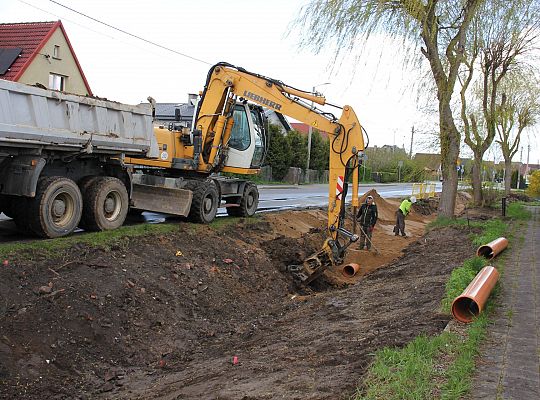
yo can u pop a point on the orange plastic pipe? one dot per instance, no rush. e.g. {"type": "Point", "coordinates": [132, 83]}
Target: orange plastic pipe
{"type": "Point", "coordinates": [471, 302]}
{"type": "Point", "coordinates": [350, 270]}
{"type": "Point", "coordinates": [491, 249]}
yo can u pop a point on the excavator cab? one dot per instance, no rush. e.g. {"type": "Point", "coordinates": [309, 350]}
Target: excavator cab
{"type": "Point", "coordinates": [248, 141]}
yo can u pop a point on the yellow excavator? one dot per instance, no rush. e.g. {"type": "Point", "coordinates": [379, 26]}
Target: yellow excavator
{"type": "Point", "coordinates": [228, 135]}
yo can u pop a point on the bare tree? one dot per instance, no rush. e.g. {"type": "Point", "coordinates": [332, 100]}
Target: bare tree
{"type": "Point", "coordinates": [500, 38]}
{"type": "Point", "coordinates": [519, 109]}
{"type": "Point", "coordinates": [438, 28]}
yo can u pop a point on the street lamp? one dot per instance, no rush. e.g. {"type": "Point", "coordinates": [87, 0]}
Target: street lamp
{"type": "Point", "coordinates": [310, 132]}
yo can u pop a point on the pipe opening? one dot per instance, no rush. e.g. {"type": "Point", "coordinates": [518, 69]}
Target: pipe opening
{"type": "Point", "coordinates": [350, 270]}
{"type": "Point", "coordinates": [465, 309]}
{"type": "Point", "coordinates": [485, 251]}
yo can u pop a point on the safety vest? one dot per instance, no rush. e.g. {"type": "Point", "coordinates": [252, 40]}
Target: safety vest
{"type": "Point", "coordinates": [405, 206]}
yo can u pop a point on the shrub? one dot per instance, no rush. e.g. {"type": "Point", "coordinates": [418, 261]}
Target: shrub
{"type": "Point", "coordinates": [534, 184]}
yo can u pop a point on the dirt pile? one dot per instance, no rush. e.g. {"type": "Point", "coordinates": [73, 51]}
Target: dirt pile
{"type": "Point", "coordinates": [165, 316]}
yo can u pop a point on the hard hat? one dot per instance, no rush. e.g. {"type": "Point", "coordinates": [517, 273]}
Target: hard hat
{"type": "Point", "coordinates": [369, 198]}
{"type": "Point", "coordinates": [413, 199]}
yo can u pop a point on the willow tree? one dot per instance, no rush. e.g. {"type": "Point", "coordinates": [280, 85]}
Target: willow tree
{"type": "Point", "coordinates": [435, 29]}
{"type": "Point", "coordinates": [500, 38]}
{"type": "Point", "coordinates": [519, 110]}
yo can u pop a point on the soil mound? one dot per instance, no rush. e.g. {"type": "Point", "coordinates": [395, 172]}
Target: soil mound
{"type": "Point", "coordinates": [385, 208]}
{"type": "Point", "coordinates": [205, 313]}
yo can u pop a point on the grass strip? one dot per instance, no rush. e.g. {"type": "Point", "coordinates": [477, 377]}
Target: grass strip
{"type": "Point", "coordinates": [440, 366]}
{"type": "Point", "coordinates": [96, 239]}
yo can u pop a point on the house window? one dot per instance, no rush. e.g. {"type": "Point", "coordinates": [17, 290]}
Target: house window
{"type": "Point", "coordinates": [57, 82]}
{"type": "Point", "coordinates": [56, 52]}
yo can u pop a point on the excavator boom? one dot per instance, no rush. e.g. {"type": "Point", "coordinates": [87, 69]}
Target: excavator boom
{"type": "Point", "coordinates": [227, 84]}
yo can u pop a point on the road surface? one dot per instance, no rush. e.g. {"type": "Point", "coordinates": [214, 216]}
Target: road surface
{"type": "Point", "coordinates": [271, 198]}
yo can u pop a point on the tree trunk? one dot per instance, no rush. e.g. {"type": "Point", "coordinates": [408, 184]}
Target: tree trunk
{"type": "Point", "coordinates": [450, 140]}
{"type": "Point", "coordinates": [508, 176]}
{"type": "Point", "coordinates": [477, 180]}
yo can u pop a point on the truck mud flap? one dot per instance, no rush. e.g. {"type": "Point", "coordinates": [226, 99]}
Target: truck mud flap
{"type": "Point", "coordinates": [161, 199]}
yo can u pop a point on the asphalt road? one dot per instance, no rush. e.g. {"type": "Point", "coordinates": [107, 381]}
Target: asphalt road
{"type": "Point", "coordinates": [271, 198]}
{"type": "Point", "coordinates": [276, 197]}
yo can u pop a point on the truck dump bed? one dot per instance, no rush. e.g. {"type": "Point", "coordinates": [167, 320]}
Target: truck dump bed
{"type": "Point", "coordinates": [34, 117]}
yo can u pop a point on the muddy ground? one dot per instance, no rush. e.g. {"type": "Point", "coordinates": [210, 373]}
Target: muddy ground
{"type": "Point", "coordinates": [205, 313]}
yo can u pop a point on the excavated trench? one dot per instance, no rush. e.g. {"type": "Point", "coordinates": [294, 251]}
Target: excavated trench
{"type": "Point", "coordinates": [206, 313]}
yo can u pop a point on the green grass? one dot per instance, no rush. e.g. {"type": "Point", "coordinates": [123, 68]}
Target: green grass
{"type": "Point", "coordinates": [96, 239]}
{"type": "Point", "coordinates": [405, 373]}
{"type": "Point", "coordinates": [518, 211]}
{"type": "Point", "coordinates": [439, 366]}
{"type": "Point", "coordinates": [442, 222]}
{"type": "Point", "coordinates": [459, 373]}
{"type": "Point", "coordinates": [491, 230]}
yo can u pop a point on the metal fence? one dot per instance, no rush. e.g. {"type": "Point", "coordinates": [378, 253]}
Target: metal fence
{"type": "Point", "coordinates": [423, 190]}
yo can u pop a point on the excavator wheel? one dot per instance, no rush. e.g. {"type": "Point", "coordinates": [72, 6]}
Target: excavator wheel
{"type": "Point", "coordinates": [205, 201]}
{"type": "Point", "coordinates": [248, 203]}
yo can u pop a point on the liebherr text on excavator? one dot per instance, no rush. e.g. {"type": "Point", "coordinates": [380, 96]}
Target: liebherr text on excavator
{"type": "Point", "coordinates": [68, 161]}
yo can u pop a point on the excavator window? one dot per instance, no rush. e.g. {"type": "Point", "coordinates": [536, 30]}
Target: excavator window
{"type": "Point", "coordinates": [240, 134]}
{"type": "Point", "coordinates": [260, 137]}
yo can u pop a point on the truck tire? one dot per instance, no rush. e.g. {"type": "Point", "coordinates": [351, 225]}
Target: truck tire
{"type": "Point", "coordinates": [105, 204]}
{"type": "Point", "coordinates": [248, 203]}
{"type": "Point", "coordinates": [84, 184]}
{"type": "Point", "coordinates": [205, 201]}
{"type": "Point", "coordinates": [56, 210]}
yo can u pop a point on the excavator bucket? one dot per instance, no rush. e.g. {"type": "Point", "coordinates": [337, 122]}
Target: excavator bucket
{"type": "Point", "coordinates": [313, 266]}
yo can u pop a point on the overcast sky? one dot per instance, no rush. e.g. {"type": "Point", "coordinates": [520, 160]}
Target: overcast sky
{"type": "Point", "coordinates": [248, 33]}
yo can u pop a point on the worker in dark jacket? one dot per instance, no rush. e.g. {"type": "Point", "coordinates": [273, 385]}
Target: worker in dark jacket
{"type": "Point", "coordinates": [403, 210]}
{"type": "Point", "coordinates": [367, 218]}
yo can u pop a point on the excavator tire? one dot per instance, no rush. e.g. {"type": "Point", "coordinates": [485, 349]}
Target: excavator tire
{"type": "Point", "coordinates": [205, 201]}
{"type": "Point", "coordinates": [56, 210]}
{"type": "Point", "coordinates": [106, 204]}
{"type": "Point", "coordinates": [248, 203]}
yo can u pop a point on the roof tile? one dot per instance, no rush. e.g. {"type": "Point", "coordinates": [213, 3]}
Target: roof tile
{"type": "Point", "coordinates": [28, 36]}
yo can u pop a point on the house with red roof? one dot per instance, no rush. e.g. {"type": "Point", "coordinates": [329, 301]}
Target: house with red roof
{"type": "Point", "coordinates": [40, 53]}
{"type": "Point", "coordinates": [304, 129]}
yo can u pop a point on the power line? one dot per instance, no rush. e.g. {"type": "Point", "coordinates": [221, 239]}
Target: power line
{"type": "Point", "coordinates": [130, 34]}
{"type": "Point", "coordinates": [65, 19]}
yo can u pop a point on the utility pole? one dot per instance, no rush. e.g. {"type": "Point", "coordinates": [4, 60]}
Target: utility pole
{"type": "Point", "coordinates": [412, 138]}
{"type": "Point", "coordinates": [527, 167]}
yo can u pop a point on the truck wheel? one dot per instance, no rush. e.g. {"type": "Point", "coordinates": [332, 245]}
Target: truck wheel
{"type": "Point", "coordinates": [106, 204]}
{"type": "Point", "coordinates": [84, 184]}
{"type": "Point", "coordinates": [248, 203]}
{"type": "Point", "coordinates": [56, 209]}
{"type": "Point", "coordinates": [205, 201]}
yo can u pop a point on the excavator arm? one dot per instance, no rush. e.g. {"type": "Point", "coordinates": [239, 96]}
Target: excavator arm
{"type": "Point", "coordinates": [227, 84]}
